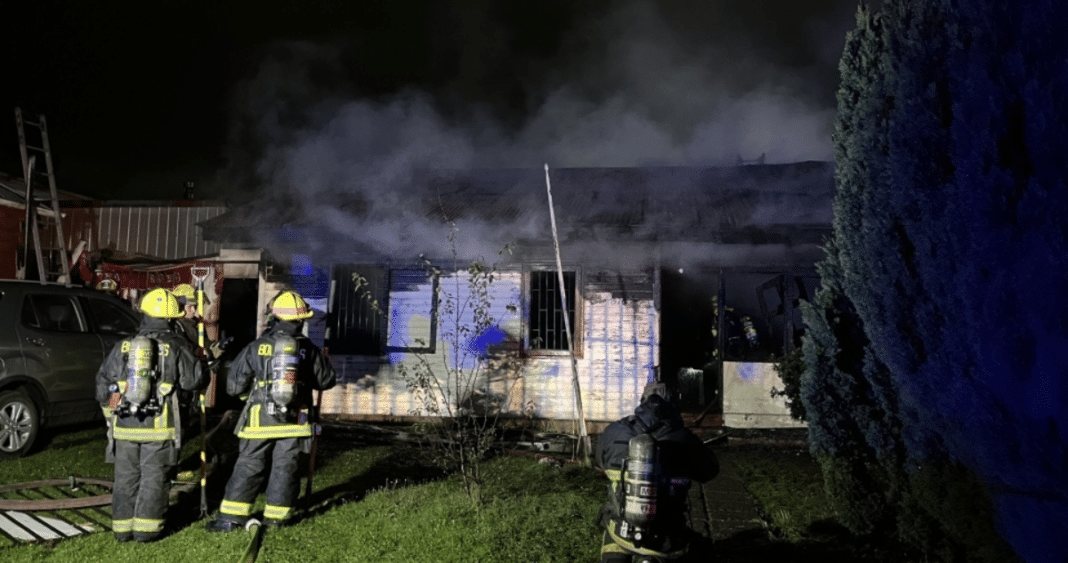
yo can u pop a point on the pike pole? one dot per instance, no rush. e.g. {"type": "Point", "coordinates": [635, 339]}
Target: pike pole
{"type": "Point", "coordinates": [316, 430]}
{"type": "Point", "coordinates": [200, 273]}
{"type": "Point", "coordinates": [584, 438]}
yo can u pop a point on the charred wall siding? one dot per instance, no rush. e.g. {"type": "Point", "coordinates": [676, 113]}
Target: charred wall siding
{"type": "Point", "coordinates": [619, 351]}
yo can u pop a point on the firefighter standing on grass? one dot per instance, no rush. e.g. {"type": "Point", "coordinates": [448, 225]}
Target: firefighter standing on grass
{"type": "Point", "coordinates": [138, 386]}
{"type": "Point", "coordinates": [650, 458]}
{"type": "Point", "coordinates": [277, 372]}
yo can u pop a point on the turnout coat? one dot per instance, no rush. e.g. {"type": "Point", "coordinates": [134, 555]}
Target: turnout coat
{"type": "Point", "coordinates": [178, 368]}
{"type": "Point", "coordinates": [683, 457]}
{"type": "Point", "coordinates": [250, 373]}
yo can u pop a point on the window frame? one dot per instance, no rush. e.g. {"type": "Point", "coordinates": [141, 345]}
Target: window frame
{"type": "Point", "coordinates": [35, 302]}
{"type": "Point", "coordinates": [341, 342]}
{"type": "Point", "coordinates": [435, 280]}
{"type": "Point", "coordinates": [574, 300]}
{"type": "Point", "coordinates": [90, 304]}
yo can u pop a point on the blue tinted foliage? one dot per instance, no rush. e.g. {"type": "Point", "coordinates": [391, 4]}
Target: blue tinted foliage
{"type": "Point", "coordinates": [938, 344]}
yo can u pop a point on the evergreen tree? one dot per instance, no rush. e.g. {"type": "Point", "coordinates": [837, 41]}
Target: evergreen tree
{"type": "Point", "coordinates": [940, 334]}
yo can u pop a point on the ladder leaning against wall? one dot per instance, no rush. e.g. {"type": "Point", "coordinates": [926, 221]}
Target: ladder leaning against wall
{"type": "Point", "coordinates": [52, 262]}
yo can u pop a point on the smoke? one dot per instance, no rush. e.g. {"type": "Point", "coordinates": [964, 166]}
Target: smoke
{"type": "Point", "coordinates": [637, 86]}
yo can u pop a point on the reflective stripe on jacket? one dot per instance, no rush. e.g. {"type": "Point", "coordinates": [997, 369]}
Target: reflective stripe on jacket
{"type": "Point", "coordinates": [179, 367]}
{"type": "Point", "coordinates": [250, 371]}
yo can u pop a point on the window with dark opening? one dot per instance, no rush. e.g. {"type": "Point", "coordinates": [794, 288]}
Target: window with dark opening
{"type": "Point", "coordinates": [547, 330]}
{"type": "Point", "coordinates": [358, 302]}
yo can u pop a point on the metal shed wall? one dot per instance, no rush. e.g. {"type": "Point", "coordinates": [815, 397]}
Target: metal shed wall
{"type": "Point", "coordinates": [158, 231]}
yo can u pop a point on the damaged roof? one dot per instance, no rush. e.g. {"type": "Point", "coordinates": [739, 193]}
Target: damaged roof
{"type": "Point", "coordinates": [13, 192]}
{"type": "Point", "coordinates": [749, 204]}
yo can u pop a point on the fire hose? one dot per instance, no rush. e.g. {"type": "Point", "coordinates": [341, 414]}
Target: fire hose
{"type": "Point", "coordinates": [55, 504]}
{"type": "Point", "coordinates": [253, 549]}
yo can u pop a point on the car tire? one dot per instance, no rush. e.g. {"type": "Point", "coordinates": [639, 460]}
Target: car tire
{"type": "Point", "coordinates": [19, 423]}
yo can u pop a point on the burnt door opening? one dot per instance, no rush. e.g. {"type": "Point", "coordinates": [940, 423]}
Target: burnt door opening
{"type": "Point", "coordinates": [687, 344]}
{"type": "Point", "coordinates": [237, 312]}
{"type": "Point", "coordinates": [237, 319]}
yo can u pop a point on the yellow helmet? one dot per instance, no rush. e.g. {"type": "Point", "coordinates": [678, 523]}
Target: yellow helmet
{"type": "Point", "coordinates": [290, 306]}
{"type": "Point", "coordinates": [108, 285]}
{"type": "Point", "coordinates": [183, 290]}
{"type": "Point", "coordinates": [161, 304]}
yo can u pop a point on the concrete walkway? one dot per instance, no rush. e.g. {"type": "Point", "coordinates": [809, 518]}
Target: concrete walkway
{"type": "Point", "coordinates": [724, 511]}
{"type": "Point", "coordinates": [722, 507]}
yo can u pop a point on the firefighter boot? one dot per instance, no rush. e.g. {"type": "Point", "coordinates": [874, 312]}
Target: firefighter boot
{"type": "Point", "coordinates": [223, 525]}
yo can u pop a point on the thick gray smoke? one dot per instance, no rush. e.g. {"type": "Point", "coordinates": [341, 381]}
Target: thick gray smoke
{"type": "Point", "coordinates": [641, 91]}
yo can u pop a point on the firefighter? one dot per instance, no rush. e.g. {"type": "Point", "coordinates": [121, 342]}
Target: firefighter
{"type": "Point", "coordinates": [189, 326]}
{"type": "Point", "coordinates": [138, 386]}
{"type": "Point", "coordinates": [109, 286]}
{"type": "Point", "coordinates": [277, 373]}
{"type": "Point", "coordinates": [190, 323]}
{"type": "Point", "coordinates": [650, 459]}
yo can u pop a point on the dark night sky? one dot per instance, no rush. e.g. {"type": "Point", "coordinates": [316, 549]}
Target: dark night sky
{"type": "Point", "coordinates": [142, 96]}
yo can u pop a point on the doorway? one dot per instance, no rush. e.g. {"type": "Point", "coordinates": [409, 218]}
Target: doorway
{"type": "Point", "coordinates": [686, 341]}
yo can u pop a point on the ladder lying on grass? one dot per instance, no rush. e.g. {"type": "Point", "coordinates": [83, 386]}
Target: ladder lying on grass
{"type": "Point", "coordinates": [54, 509]}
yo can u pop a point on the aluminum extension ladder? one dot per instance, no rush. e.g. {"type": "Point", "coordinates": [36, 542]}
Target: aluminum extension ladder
{"type": "Point", "coordinates": [46, 257]}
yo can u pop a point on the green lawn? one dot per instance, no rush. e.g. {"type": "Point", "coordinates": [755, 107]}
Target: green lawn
{"type": "Point", "coordinates": [371, 503]}
{"type": "Point", "coordinates": [389, 503]}
{"type": "Point", "coordinates": [788, 486]}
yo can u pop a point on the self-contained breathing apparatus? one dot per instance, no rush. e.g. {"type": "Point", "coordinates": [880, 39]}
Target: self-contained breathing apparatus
{"type": "Point", "coordinates": [282, 385]}
{"type": "Point", "coordinates": [644, 492]}
{"type": "Point", "coordinates": [641, 480]}
{"type": "Point", "coordinates": [140, 395]}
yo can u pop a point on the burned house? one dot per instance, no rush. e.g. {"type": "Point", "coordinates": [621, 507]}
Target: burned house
{"type": "Point", "coordinates": [691, 274]}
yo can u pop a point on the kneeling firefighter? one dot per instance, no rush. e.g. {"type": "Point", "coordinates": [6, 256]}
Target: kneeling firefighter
{"type": "Point", "coordinates": [138, 386]}
{"type": "Point", "coordinates": [650, 458]}
{"type": "Point", "coordinates": [277, 373]}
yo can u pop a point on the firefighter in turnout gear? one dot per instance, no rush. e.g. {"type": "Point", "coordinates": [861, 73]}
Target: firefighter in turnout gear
{"type": "Point", "coordinates": [277, 373]}
{"type": "Point", "coordinates": [650, 459]}
{"type": "Point", "coordinates": [187, 323]}
{"type": "Point", "coordinates": [137, 387]}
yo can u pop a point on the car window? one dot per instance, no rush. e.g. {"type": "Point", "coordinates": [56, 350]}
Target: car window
{"type": "Point", "coordinates": [112, 318]}
{"type": "Point", "coordinates": [57, 313]}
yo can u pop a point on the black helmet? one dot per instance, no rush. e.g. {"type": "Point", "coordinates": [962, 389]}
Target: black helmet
{"type": "Point", "coordinates": [656, 388]}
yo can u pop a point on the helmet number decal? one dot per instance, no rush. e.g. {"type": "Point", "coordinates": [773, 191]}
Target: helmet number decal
{"type": "Point", "coordinates": [265, 350]}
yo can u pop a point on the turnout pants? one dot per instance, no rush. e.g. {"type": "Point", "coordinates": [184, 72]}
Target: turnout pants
{"type": "Point", "coordinates": [275, 460]}
{"type": "Point", "coordinates": [142, 488]}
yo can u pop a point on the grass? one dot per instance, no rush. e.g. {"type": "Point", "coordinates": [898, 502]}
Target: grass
{"type": "Point", "coordinates": [788, 486]}
{"type": "Point", "coordinates": [370, 503]}
{"type": "Point", "coordinates": [390, 503]}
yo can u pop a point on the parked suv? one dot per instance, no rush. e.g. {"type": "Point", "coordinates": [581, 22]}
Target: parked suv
{"type": "Point", "coordinates": [53, 339]}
